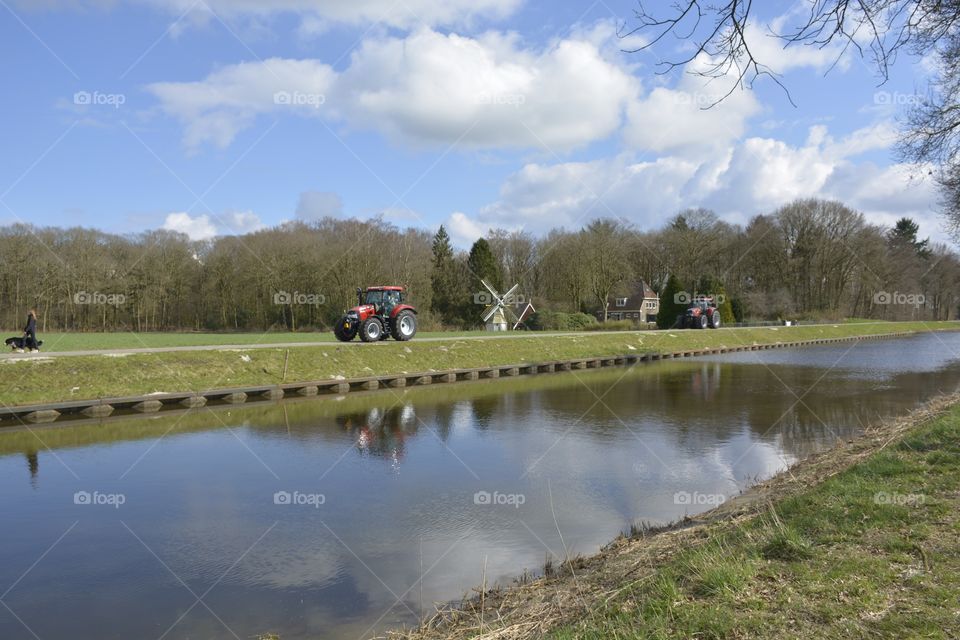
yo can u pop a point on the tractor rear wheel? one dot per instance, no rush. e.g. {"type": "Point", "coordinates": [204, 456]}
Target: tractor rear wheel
{"type": "Point", "coordinates": [715, 320]}
{"type": "Point", "coordinates": [371, 330]}
{"type": "Point", "coordinates": [404, 326]}
{"type": "Point", "coordinates": [344, 330]}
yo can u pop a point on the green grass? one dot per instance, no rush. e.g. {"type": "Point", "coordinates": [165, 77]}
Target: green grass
{"type": "Point", "coordinates": [33, 380]}
{"type": "Point", "coordinates": [871, 552]}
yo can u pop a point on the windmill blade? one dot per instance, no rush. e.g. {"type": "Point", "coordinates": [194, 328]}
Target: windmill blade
{"type": "Point", "coordinates": [509, 293]}
{"type": "Point", "coordinates": [490, 311]}
{"type": "Point", "coordinates": [492, 291]}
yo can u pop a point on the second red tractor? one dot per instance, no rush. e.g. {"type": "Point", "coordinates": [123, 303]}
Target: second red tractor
{"type": "Point", "coordinates": [380, 312]}
{"type": "Point", "coordinates": [701, 314]}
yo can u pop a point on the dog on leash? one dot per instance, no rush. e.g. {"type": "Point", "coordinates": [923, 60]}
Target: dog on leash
{"type": "Point", "coordinates": [19, 345]}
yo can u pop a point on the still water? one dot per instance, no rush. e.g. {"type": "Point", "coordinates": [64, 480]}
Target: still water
{"type": "Point", "coordinates": [339, 518]}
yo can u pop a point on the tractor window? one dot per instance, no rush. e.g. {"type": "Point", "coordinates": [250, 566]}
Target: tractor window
{"type": "Point", "coordinates": [374, 297]}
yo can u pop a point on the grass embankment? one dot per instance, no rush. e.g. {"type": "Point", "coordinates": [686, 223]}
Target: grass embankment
{"type": "Point", "coordinates": [862, 541]}
{"type": "Point", "coordinates": [38, 379]}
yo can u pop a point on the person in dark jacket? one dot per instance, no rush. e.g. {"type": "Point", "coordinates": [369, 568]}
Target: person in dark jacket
{"type": "Point", "coordinates": [30, 331]}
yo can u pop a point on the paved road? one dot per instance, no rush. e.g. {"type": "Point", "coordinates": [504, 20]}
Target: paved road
{"type": "Point", "coordinates": [285, 345]}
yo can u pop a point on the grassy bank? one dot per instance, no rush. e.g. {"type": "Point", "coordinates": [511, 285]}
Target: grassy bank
{"type": "Point", "coordinates": [858, 542]}
{"type": "Point", "coordinates": [32, 380]}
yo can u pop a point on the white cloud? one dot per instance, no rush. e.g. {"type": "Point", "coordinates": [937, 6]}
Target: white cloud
{"type": "Point", "coordinates": [238, 222]}
{"type": "Point", "coordinates": [195, 227]}
{"type": "Point", "coordinates": [463, 230]}
{"type": "Point", "coordinates": [752, 177]}
{"type": "Point", "coordinates": [228, 100]}
{"type": "Point", "coordinates": [691, 118]}
{"type": "Point", "coordinates": [487, 91]}
{"type": "Point", "coordinates": [318, 13]}
{"type": "Point", "coordinates": [315, 205]}
{"type": "Point", "coordinates": [426, 88]}
{"type": "Point", "coordinates": [769, 50]}
{"type": "Point", "coordinates": [206, 226]}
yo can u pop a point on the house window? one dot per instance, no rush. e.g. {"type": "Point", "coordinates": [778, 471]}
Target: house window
{"type": "Point", "coordinates": [621, 302]}
{"type": "Point", "coordinates": [651, 305]}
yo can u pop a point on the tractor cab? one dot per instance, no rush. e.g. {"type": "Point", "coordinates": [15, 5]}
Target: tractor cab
{"type": "Point", "coordinates": [381, 297]}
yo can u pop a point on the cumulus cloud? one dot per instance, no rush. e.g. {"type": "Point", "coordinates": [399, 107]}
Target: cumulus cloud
{"type": "Point", "coordinates": [696, 114]}
{"type": "Point", "coordinates": [215, 109]}
{"type": "Point", "coordinates": [315, 205]}
{"type": "Point", "coordinates": [195, 227]}
{"type": "Point", "coordinates": [426, 88]}
{"type": "Point", "coordinates": [317, 14]}
{"type": "Point", "coordinates": [463, 230]}
{"type": "Point", "coordinates": [206, 226]}
{"type": "Point", "coordinates": [751, 177]}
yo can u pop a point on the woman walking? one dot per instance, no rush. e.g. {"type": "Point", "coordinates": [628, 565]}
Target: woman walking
{"type": "Point", "coordinates": [30, 332]}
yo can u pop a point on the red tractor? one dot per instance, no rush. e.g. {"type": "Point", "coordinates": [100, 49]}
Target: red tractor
{"type": "Point", "coordinates": [380, 312]}
{"type": "Point", "coordinates": [701, 314]}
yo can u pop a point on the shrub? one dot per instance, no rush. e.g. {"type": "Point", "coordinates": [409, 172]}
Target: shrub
{"type": "Point", "coordinates": [613, 325]}
{"type": "Point", "coordinates": [559, 321]}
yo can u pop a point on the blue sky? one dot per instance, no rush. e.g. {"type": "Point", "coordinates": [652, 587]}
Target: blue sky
{"type": "Point", "coordinates": [222, 116]}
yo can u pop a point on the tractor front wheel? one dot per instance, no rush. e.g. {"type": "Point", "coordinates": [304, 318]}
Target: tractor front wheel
{"type": "Point", "coordinates": [344, 330]}
{"type": "Point", "coordinates": [702, 322]}
{"type": "Point", "coordinates": [404, 326]}
{"type": "Point", "coordinates": [371, 330]}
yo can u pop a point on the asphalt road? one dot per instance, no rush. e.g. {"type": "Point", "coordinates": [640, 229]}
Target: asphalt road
{"type": "Point", "coordinates": [284, 345]}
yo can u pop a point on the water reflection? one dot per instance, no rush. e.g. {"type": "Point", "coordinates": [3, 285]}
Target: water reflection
{"type": "Point", "coordinates": [399, 472]}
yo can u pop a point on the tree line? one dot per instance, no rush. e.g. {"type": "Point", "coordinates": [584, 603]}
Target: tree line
{"type": "Point", "coordinates": [808, 259]}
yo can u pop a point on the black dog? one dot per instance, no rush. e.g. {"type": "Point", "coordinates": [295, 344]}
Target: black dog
{"type": "Point", "coordinates": [19, 344]}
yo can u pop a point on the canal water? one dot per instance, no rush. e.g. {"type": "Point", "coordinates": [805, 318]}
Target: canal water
{"type": "Point", "coordinates": [340, 518]}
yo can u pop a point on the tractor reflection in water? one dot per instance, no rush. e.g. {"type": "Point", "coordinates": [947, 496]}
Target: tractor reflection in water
{"type": "Point", "coordinates": [705, 382]}
{"type": "Point", "coordinates": [381, 433]}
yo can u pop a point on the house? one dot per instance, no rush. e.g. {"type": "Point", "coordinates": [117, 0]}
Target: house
{"type": "Point", "coordinates": [642, 306]}
{"type": "Point", "coordinates": [521, 313]}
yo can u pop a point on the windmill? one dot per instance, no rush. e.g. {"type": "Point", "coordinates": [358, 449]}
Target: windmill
{"type": "Point", "coordinates": [495, 315]}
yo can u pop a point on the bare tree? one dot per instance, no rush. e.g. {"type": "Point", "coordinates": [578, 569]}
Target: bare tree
{"type": "Point", "coordinates": [722, 35]}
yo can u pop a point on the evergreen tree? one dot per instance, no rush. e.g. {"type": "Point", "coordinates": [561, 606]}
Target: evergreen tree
{"type": "Point", "coordinates": [444, 280]}
{"type": "Point", "coordinates": [904, 234]}
{"type": "Point", "coordinates": [670, 308]}
{"type": "Point", "coordinates": [484, 266]}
